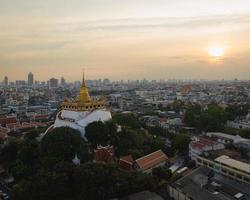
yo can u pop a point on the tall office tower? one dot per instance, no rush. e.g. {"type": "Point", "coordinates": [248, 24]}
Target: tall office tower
{"type": "Point", "coordinates": [53, 83]}
{"type": "Point", "coordinates": [30, 79]}
{"type": "Point", "coordinates": [63, 82]}
{"type": "Point", "coordinates": [106, 81]}
{"type": "Point", "coordinates": [6, 81]}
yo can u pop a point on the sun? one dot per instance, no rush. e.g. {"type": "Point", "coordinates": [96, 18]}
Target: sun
{"type": "Point", "coordinates": [216, 51]}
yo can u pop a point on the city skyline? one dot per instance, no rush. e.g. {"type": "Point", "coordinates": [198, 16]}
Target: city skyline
{"type": "Point", "coordinates": [134, 39]}
{"type": "Point", "coordinates": [6, 80]}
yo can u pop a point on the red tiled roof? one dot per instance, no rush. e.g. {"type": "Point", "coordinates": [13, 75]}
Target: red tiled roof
{"type": "Point", "coordinates": [25, 125]}
{"type": "Point", "coordinates": [151, 160]}
{"type": "Point", "coordinates": [127, 158]}
{"type": "Point", "coordinates": [126, 163]}
{"type": "Point", "coordinates": [11, 126]}
{"type": "Point", "coordinates": [7, 120]}
{"type": "Point", "coordinates": [203, 142]}
{"type": "Point", "coordinates": [42, 116]}
{"type": "Point", "coordinates": [104, 154]}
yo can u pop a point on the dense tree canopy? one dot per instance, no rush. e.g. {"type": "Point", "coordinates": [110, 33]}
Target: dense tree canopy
{"type": "Point", "coordinates": [128, 119]}
{"type": "Point", "coordinates": [213, 118]}
{"type": "Point", "coordinates": [235, 111]}
{"type": "Point", "coordinates": [64, 143]}
{"type": "Point", "coordinates": [99, 133]}
{"type": "Point", "coordinates": [162, 173]}
{"type": "Point", "coordinates": [44, 170]}
{"type": "Point", "coordinates": [128, 140]}
{"type": "Point", "coordinates": [181, 142]}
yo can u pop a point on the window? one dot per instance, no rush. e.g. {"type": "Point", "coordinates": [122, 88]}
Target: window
{"type": "Point", "coordinates": [239, 176]}
{"type": "Point", "coordinates": [231, 173]}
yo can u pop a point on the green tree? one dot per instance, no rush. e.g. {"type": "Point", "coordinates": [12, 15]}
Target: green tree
{"type": "Point", "coordinates": [64, 143]}
{"type": "Point", "coordinates": [181, 142]}
{"type": "Point", "coordinates": [177, 105]}
{"type": "Point", "coordinates": [162, 173]}
{"type": "Point", "coordinates": [9, 152]}
{"type": "Point", "coordinates": [129, 120]}
{"type": "Point", "coordinates": [245, 133]}
{"type": "Point", "coordinates": [234, 111]}
{"type": "Point", "coordinates": [99, 133]}
{"type": "Point", "coordinates": [213, 119]}
{"type": "Point", "coordinates": [192, 114]}
{"type": "Point", "coordinates": [95, 133]}
{"type": "Point", "coordinates": [29, 152]}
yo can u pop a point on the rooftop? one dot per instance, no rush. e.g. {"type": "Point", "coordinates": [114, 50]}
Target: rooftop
{"type": "Point", "coordinates": [203, 184]}
{"type": "Point", "coordinates": [233, 163]}
{"type": "Point", "coordinates": [202, 143]}
{"type": "Point", "coordinates": [150, 160]}
{"type": "Point", "coordinates": [144, 195]}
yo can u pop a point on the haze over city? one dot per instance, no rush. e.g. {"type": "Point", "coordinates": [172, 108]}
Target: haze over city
{"type": "Point", "coordinates": [130, 39]}
{"type": "Point", "coordinates": [124, 99]}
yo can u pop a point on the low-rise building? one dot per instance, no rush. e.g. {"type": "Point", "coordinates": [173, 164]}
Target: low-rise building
{"type": "Point", "coordinates": [7, 120]}
{"type": "Point", "coordinates": [236, 140]}
{"type": "Point", "coordinates": [126, 163]}
{"type": "Point", "coordinates": [204, 184]}
{"type": "Point", "coordinates": [228, 167]}
{"type": "Point", "coordinates": [104, 154]}
{"type": "Point", "coordinates": [146, 163]}
{"type": "Point", "coordinates": [203, 145]}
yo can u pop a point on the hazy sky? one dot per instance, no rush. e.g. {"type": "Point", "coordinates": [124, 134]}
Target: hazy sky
{"type": "Point", "coordinates": [124, 39]}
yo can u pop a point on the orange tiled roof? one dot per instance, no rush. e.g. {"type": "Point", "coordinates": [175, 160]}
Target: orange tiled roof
{"type": "Point", "coordinates": [104, 154]}
{"type": "Point", "coordinates": [25, 125]}
{"type": "Point", "coordinates": [41, 116]}
{"type": "Point", "coordinates": [127, 158]}
{"type": "Point", "coordinates": [126, 163]}
{"type": "Point", "coordinates": [151, 160]}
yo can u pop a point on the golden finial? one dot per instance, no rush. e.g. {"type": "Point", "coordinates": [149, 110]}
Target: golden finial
{"type": "Point", "coordinates": [83, 80]}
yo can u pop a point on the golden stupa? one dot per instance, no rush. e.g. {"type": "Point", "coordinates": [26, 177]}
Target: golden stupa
{"type": "Point", "coordinates": [83, 102]}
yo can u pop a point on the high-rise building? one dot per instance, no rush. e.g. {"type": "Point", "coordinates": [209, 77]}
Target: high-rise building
{"type": "Point", "coordinates": [20, 82]}
{"type": "Point", "coordinates": [53, 83]}
{"type": "Point", "coordinates": [106, 81]}
{"type": "Point", "coordinates": [43, 83]}
{"type": "Point", "coordinates": [6, 81]}
{"type": "Point", "coordinates": [63, 82]}
{"type": "Point", "coordinates": [30, 79]}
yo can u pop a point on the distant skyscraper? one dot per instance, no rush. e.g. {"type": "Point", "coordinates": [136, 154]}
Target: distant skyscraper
{"type": "Point", "coordinates": [6, 81]}
{"type": "Point", "coordinates": [20, 82]}
{"type": "Point", "coordinates": [106, 81]}
{"type": "Point", "coordinates": [30, 79]}
{"type": "Point", "coordinates": [53, 83]}
{"type": "Point", "coordinates": [63, 82]}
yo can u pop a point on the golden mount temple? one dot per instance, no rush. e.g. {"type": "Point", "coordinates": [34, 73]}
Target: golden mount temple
{"type": "Point", "coordinates": [83, 102]}
{"type": "Point", "coordinates": [78, 113]}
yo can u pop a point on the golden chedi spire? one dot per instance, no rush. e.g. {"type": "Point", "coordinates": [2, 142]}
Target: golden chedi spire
{"type": "Point", "coordinates": [84, 92]}
{"type": "Point", "coordinates": [83, 102]}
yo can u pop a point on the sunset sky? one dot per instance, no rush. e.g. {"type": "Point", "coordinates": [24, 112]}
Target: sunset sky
{"type": "Point", "coordinates": [124, 39]}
